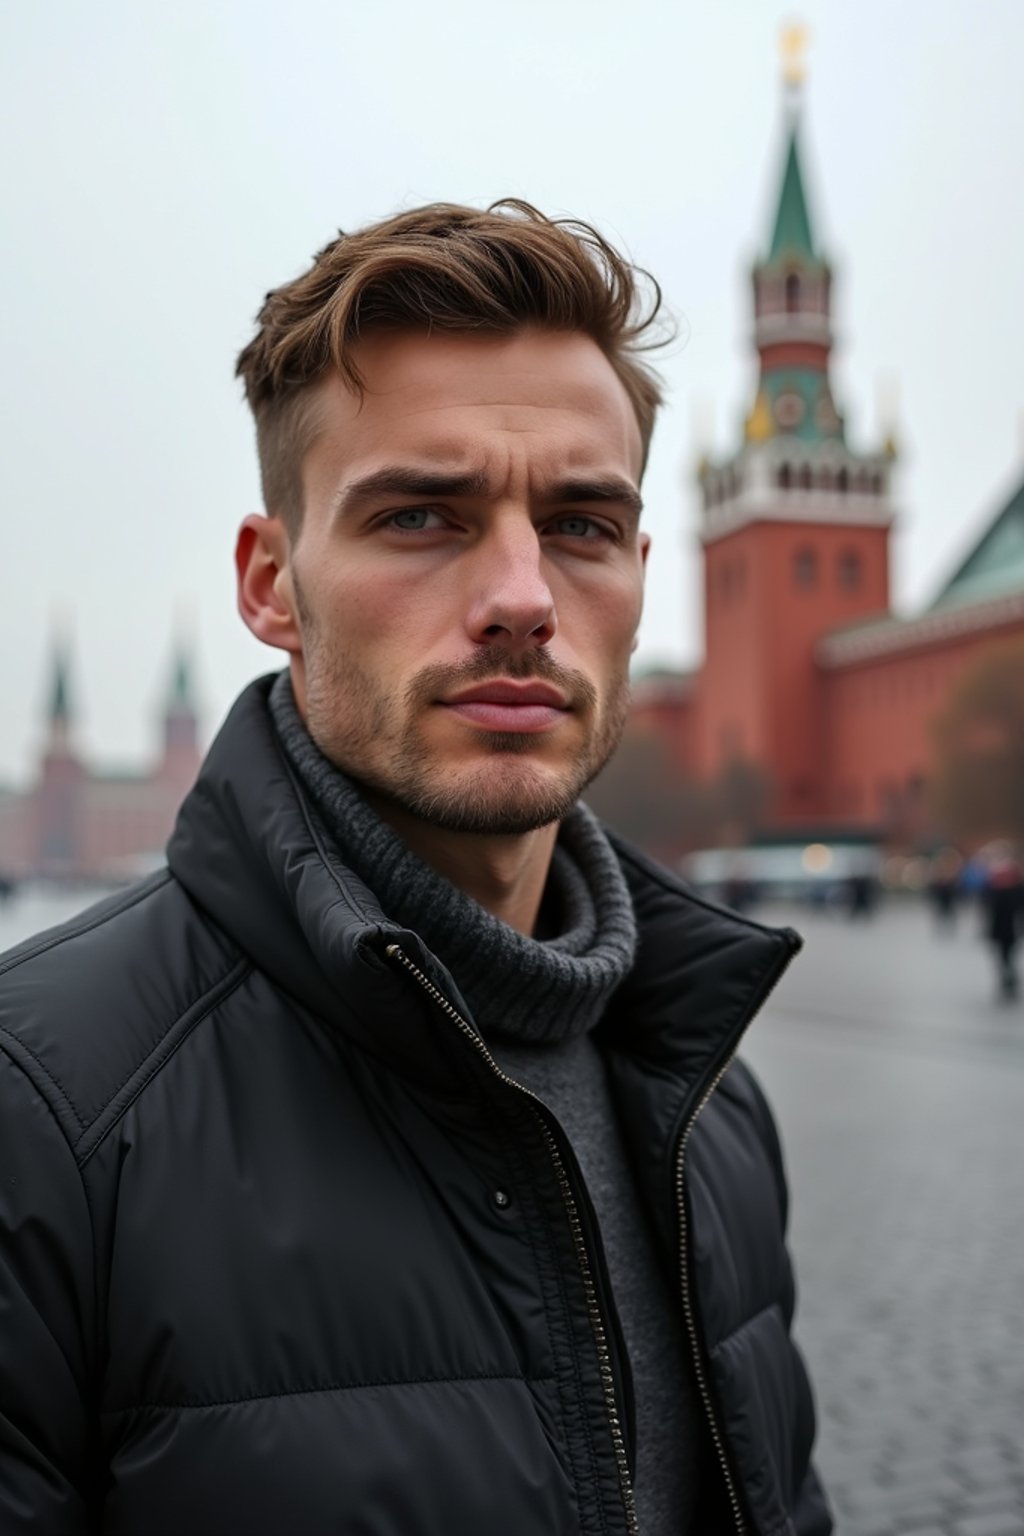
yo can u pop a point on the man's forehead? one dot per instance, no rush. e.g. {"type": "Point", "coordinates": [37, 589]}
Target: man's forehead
{"type": "Point", "coordinates": [485, 409]}
{"type": "Point", "coordinates": [524, 400]}
{"type": "Point", "coordinates": [432, 439]}
{"type": "Point", "coordinates": [490, 455]}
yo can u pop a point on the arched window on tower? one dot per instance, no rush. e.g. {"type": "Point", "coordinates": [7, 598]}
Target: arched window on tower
{"type": "Point", "coordinates": [792, 293]}
{"type": "Point", "coordinates": [785, 476]}
{"type": "Point", "coordinates": [850, 570]}
{"type": "Point", "coordinates": [805, 568]}
{"type": "Point", "coordinates": [842, 480]}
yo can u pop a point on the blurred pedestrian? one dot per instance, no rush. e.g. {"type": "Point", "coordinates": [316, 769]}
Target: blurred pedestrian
{"type": "Point", "coordinates": [1004, 901]}
{"type": "Point", "coordinates": [861, 895]}
{"type": "Point", "coordinates": [860, 887]}
{"type": "Point", "coordinates": [738, 890]}
{"type": "Point", "coordinates": [944, 886]}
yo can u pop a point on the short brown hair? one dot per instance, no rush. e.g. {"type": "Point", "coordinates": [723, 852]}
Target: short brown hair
{"type": "Point", "coordinates": [442, 267]}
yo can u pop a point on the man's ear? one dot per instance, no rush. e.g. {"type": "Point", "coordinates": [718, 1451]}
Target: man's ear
{"type": "Point", "coordinates": [266, 595]}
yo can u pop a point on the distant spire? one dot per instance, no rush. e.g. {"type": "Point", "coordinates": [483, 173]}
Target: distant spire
{"type": "Point", "coordinates": [58, 715]}
{"type": "Point", "coordinates": [180, 721]}
{"type": "Point", "coordinates": [792, 233]}
{"type": "Point", "coordinates": [60, 711]}
{"type": "Point", "coordinates": [180, 694]}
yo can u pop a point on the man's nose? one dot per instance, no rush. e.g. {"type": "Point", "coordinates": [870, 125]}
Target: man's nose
{"type": "Point", "coordinates": [511, 602]}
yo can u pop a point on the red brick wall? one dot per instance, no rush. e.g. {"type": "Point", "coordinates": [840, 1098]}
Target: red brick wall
{"type": "Point", "coordinates": [880, 715]}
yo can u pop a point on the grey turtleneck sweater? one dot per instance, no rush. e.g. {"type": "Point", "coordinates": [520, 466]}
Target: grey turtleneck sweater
{"type": "Point", "coordinates": [536, 1001]}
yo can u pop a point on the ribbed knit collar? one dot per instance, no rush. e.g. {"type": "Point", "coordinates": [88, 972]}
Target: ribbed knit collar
{"type": "Point", "coordinates": [518, 988]}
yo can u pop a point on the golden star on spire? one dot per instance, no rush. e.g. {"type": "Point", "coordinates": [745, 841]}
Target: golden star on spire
{"type": "Point", "coordinates": [793, 40]}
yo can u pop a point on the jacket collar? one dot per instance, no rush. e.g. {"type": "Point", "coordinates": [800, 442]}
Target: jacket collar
{"type": "Point", "coordinates": [702, 973]}
{"type": "Point", "coordinates": [249, 849]}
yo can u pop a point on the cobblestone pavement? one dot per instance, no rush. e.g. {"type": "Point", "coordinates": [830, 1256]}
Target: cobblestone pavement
{"type": "Point", "coordinates": [898, 1080]}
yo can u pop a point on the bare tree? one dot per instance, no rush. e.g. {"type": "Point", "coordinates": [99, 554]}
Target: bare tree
{"type": "Point", "coordinates": [978, 789]}
{"type": "Point", "coordinates": [642, 794]}
{"type": "Point", "coordinates": [739, 798]}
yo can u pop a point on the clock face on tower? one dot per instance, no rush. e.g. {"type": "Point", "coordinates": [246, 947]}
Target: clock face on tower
{"type": "Point", "coordinates": [789, 409]}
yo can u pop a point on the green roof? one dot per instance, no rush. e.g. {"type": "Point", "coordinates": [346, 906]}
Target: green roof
{"type": "Point", "coordinates": [792, 234]}
{"type": "Point", "coordinates": [995, 565]}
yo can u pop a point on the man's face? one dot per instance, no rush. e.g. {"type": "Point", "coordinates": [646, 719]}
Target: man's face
{"type": "Point", "coordinates": [468, 575]}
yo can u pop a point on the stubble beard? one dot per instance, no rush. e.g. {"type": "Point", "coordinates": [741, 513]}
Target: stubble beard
{"type": "Point", "coordinates": [379, 741]}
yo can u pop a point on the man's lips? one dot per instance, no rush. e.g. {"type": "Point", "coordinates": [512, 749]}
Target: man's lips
{"type": "Point", "coordinates": [508, 706]}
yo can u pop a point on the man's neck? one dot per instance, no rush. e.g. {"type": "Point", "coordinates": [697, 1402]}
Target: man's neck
{"type": "Point", "coordinates": [506, 875]}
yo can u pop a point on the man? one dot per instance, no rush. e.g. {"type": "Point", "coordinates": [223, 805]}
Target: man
{"type": "Point", "coordinates": [383, 1166]}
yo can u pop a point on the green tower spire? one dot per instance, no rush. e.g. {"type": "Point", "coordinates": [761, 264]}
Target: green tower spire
{"type": "Point", "coordinates": [180, 695]}
{"type": "Point", "coordinates": [180, 722]}
{"type": "Point", "coordinates": [792, 233]}
{"type": "Point", "coordinates": [60, 693]}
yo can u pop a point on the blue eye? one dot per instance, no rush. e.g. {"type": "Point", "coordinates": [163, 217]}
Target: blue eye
{"type": "Point", "coordinates": [578, 527]}
{"type": "Point", "coordinates": [412, 519]}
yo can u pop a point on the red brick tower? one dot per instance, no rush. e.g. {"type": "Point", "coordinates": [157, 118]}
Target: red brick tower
{"type": "Point", "coordinates": [795, 530]}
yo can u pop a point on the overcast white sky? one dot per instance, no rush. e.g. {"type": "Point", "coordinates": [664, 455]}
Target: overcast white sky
{"type": "Point", "coordinates": [172, 162]}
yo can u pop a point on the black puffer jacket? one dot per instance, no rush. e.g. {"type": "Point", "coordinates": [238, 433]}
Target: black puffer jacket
{"type": "Point", "coordinates": [282, 1251]}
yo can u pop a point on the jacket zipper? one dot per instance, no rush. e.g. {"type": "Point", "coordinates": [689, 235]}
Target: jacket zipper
{"type": "Point", "coordinates": [684, 1273]}
{"type": "Point", "coordinates": [597, 1323]}
{"type": "Point", "coordinates": [688, 1315]}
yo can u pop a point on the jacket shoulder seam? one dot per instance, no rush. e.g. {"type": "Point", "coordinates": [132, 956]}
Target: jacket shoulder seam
{"type": "Point", "coordinates": [67, 932]}
{"type": "Point", "coordinates": [124, 1094]}
{"type": "Point", "coordinates": [67, 1141]}
{"type": "Point", "coordinates": [17, 1050]}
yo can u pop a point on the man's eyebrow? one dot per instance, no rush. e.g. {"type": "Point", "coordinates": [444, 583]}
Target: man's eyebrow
{"type": "Point", "coordinates": [608, 488]}
{"type": "Point", "coordinates": [406, 480]}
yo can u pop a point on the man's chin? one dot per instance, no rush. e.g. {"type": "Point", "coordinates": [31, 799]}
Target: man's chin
{"type": "Point", "coordinates": [498, 799]}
